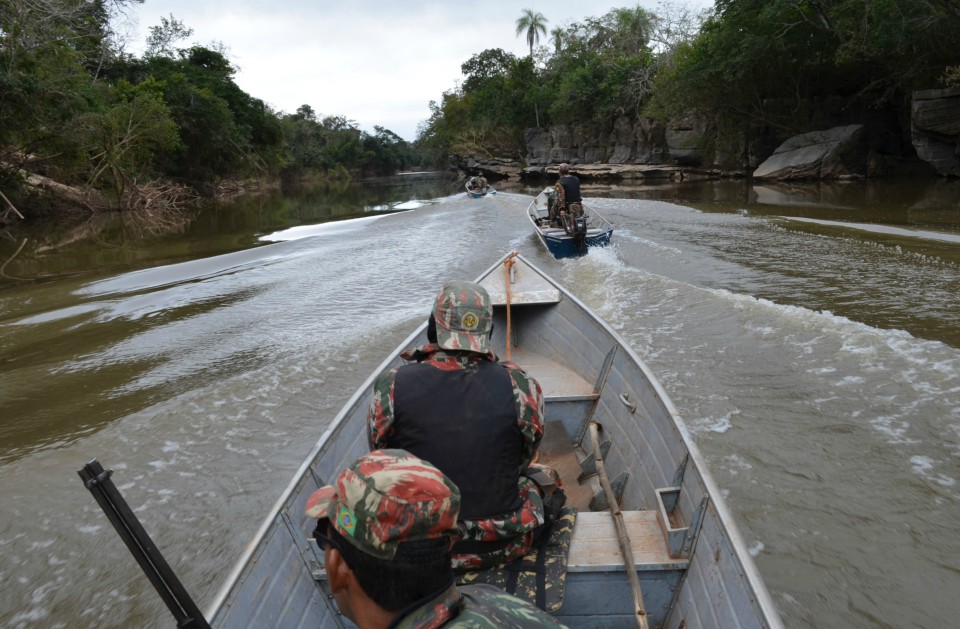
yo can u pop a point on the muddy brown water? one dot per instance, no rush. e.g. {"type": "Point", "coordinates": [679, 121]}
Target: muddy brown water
{"type": "Point", "coordinates": [808, 335]}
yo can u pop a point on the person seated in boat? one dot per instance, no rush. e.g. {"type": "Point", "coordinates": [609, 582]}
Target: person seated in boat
{"type": "Point", "coordinates": [476, 418]}
{"type": "Point", "coordinates": [570, 183]}
{"type": "Point", "coordinates": [385, 527]}
{"type": "Point", "coordinates": [556, 205]}
{"type": "Point", "coordinates": [483, 183]}
{"type": "Point", "coordinates": [474, 183]}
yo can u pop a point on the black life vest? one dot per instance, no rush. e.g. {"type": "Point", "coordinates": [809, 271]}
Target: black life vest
{"type": "Point", "coordinates": [571, 189]}
{"type": "Point", "coordinates": [464, 421]}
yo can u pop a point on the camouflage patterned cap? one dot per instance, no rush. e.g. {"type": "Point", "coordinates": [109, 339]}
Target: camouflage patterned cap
{"type": "Point", "coordinates": [387, 497]}
{"type": "Point", "coordinates": [464, 317]}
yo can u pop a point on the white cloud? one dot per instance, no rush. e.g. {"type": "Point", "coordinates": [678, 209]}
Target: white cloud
{"type": "Point", "coordinates": [377, 63]}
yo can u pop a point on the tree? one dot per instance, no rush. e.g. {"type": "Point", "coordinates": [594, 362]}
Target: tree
{"type": "Point", "coordinates": [485, 66]}
{"type": "Point", "coordinates": [534, 24]}
{"type": "Point", "coordinates": [122, 139]}
{"type": "Point", "coordinates": [161, 38]}
{"type": "Point", "coordinates": [556, 36]}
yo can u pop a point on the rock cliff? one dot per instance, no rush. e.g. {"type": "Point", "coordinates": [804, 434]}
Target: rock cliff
{"type": "Point", "coordinates": [859, 143]}
{"type": "Point", "coordinates": [935, 128]}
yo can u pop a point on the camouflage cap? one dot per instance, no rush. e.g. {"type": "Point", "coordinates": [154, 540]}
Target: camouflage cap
{"type": "Point", "coordinates": [387, 497]}
{"type": "Point", "coordinates": [464, 317]}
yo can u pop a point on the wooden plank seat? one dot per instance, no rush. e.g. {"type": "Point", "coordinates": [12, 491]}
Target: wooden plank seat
{"type": "Point", "coordinates": [594, 545]}
{"type": "Point", "coordinates": [598, 588]}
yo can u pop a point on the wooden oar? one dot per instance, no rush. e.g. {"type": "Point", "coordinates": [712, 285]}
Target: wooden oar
{"type": "Point", "coordinates": [622, 537]}
{"type": "Point", "coordinates": [507, 264]}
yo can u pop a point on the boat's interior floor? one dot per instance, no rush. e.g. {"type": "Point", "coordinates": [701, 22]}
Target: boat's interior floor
{"type": "Point", "coordinates": [557, 452]}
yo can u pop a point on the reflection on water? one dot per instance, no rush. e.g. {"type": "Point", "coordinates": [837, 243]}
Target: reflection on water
{"type": "Point", "coordinates": [907, 202]}
{"type": "Point", "coordinates": [123, 241]}
{"type": "Point", "coordinates": [82, 245]}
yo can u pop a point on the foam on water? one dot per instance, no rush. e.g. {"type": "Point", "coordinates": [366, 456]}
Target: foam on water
{"type": "Point", "coordinates": [883, 229]}
{"type": "Point", "coordinates": [323, 229]}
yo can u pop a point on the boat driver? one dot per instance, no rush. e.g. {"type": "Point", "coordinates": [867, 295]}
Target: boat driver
{"type": "Point", "coordinates": [476, 418]}
{"type": "Point", "coordinates": [571, 191]}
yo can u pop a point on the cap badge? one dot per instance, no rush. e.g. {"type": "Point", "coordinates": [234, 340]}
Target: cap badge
{"type": "Point", "coordinates": [469, 321]}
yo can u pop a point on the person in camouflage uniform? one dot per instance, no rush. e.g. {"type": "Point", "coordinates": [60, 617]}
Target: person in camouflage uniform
{"type": "Point", "coordinates": [477, 419]}
{"type": "Point", "coordinates": [386, 526]}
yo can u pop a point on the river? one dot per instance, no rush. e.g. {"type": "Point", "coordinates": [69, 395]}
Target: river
{"type": "Point", "coordinates": [808, 335]}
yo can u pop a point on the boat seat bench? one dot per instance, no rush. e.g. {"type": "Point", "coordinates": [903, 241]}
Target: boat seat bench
{"type": "Point", "coordinates": [557, 231]}
{"type": "Point", "coordinates": [567, 396]}
{"type": "Point", "coordinates": [594, 545]}
{"type": "Point", "coordinates": [601, 595]}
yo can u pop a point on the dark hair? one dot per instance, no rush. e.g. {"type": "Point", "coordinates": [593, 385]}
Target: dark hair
{"type": "Point", "coordinates": [432, 329]}
{"type": "Point", "coordinates": [420, 568]}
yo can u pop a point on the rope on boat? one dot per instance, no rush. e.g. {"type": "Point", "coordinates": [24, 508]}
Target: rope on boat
{"type": "Point", "coordinates": [639, 610]}
{"type": "Point", "coordinates": [507, 265]}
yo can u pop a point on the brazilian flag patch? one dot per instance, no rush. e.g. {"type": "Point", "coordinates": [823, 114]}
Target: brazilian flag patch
{"type": "Point", "coordinates": [346, 520]}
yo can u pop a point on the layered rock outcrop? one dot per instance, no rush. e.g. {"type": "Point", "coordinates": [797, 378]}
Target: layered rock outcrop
{"type": "Point", "coordinates": [854, 142]}
{"type": "Point", "coordinates": [935, 128]}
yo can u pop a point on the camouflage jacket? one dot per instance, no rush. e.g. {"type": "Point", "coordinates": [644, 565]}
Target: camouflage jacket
{"type": "Point", "coordinates": [528, 397]}
{"type": "Point", "coordinates": [475, 606]}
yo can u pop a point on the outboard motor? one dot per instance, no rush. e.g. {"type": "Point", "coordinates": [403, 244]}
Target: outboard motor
{"type": "Point", "coordinates": [576, 226]}
{"type": "Point", "coordinates": [580, 234]}
{"type": "Point", "coordinates": [580, 226]}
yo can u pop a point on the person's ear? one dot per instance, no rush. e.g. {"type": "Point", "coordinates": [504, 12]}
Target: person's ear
{"type": "Point", "coordinates": [338, 572]}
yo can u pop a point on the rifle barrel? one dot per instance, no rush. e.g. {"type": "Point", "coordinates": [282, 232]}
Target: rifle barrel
{"type": "Point", "coordinates": [138, 541]}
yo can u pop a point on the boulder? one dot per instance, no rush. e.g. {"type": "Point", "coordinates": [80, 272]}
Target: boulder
{"type": "Point", "coordinates": [935, 128]}
{"type": "Point", "coordinates": [838, 153]}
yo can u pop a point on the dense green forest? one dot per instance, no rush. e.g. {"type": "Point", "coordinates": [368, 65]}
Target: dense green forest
{"type": "Point", "coordinates": [745, 63]}
{"type": "Point", "coordinates": [161, 127]}
{"type": "Point", "coordinates": [77, 110]}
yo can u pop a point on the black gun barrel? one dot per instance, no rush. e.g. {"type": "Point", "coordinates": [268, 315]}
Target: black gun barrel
{"type": "Point", "coordinates": [168, 586]}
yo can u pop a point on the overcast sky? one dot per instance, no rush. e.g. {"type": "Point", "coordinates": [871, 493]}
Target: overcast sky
{"type": "Point", "coordinates": [374, 62]}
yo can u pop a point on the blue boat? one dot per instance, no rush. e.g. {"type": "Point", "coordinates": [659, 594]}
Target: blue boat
{"type": "Point", "coordinates": [572, 239]}
{"type": "Point", "coordinates": [476, 193]}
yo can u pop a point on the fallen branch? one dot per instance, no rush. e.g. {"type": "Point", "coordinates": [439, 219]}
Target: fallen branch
{"type": "Point", "coordinates": [3, 268]}
{"type": "Point", "coordinates": [10, 207]}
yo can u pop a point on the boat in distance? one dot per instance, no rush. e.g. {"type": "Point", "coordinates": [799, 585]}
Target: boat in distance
{"type": "Point", "coordinates": [689, 566]}
{"type": "Point", "coordinates": [479, 192]}
{"type": "Point", "coordinates": [572, 239]}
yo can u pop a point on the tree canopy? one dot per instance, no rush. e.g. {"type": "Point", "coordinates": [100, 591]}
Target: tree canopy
{"type": "Point", "coordinates": [76, 107]}
{"type": "Point", "coordinates": [746, 62]}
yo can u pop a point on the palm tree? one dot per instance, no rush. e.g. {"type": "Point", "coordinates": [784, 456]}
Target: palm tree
{"type": "Point", "coordinates": [556, 36]}
{"type": "Point", "coordinates": [534, 24]}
